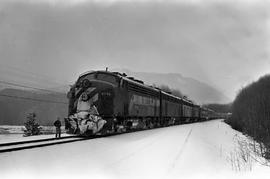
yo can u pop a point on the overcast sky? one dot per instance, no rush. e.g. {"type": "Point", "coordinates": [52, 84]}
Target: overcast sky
{"type": "Point", "coordinates": [222, 43]}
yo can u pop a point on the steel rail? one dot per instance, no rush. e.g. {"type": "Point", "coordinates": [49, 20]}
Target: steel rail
{"type": "Point", "coordinates": [54, 142]}
{"type": "Point", "coordinates": [34, 141]}
{"type": "Point", "coordinates": [57, 141]}
{"type": "Point", "coordinates": [39, 145]}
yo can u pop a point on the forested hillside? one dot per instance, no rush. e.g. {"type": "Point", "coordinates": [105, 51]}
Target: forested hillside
{"type": "Point", "coordinates": [222, 108]}
{"type": "Point", "coordinates": [196, 90]}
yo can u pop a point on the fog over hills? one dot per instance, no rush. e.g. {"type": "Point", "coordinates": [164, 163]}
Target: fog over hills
{"type": "Point", "coordinates": [222, 44]}
{"type": "Point", "coordinates": [47, 106]}
{"type": "Point", "coordinates": [197, 91]}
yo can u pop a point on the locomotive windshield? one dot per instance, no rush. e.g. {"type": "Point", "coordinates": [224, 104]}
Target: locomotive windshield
{"type": "Point", "coordinates": [98, 76]}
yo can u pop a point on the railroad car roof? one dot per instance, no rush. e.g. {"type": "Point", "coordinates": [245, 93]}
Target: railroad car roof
{"type": "Point", "coordinates": [120, 75]}
{"type": "Point", "coordinates": [135, 81]}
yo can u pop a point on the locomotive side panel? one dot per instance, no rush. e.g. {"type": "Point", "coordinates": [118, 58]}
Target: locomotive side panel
{"type": "Point", "coordinates": [196, 113]}
{"type": "Point", "coordinates": [171, 109]}
{"type": "Point", "coordinates": [141, 105]}
{"type": "Point", "coordinates": [204, 114]}
{"type": "Point", "coordinates": [187, 112]}
{"type": "Point", "coordinates": [120, 102]}
{"type": "Point", "coordinates": [175, 112]}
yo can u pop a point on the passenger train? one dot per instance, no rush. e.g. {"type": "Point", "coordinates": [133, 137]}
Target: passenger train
{"type": "Point", "coordinates": [104, 102]}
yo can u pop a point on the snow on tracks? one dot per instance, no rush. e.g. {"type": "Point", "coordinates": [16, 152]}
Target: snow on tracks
{"type": "Point", "coordinates": [198, 150]}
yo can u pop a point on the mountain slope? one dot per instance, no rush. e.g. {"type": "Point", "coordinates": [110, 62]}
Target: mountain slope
{"type": "Point", "coordinates": [198, 91]}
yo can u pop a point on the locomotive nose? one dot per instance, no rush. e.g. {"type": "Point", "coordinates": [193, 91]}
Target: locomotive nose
{"type": "Point", "coordinates": [86, 83]}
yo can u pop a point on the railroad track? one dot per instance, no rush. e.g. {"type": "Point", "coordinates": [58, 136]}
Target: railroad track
{"type": "Point", "coordinates": [30, 144]}
{"type": "Point", "coordinates": [21, 145]}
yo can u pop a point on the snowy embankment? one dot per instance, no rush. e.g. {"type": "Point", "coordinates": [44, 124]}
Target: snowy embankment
{"type": "Point", "coordinates": [201, 150]}
{"type": "Point", "coordinates": [15, 133]}
{"type": "Point", "coordinates": [9, 129]}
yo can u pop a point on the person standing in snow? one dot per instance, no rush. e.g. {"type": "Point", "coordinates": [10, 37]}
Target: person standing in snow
{"type": "Point", "coordinates": [57, 125]}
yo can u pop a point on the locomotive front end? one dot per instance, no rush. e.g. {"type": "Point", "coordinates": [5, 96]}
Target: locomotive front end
{"type": "Point", "coordinates": [90, 104]}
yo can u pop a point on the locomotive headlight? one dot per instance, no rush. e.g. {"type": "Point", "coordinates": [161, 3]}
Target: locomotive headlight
{"type": "Point", "coordinates": [85, 96]}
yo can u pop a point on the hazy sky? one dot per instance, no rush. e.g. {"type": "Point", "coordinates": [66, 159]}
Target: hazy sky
{"type": "Point", "coordinates": [222, 43]}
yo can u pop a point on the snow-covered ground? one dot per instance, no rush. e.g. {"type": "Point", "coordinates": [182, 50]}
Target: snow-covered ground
{"type": "Point", "coordinates": [6, 138]}
{"type": "Point", "coordinates": [200, 150]}
{"type": "Point", "coordinates": [15, 133]}
{"type": "Point", "coordinates": [9, 129]}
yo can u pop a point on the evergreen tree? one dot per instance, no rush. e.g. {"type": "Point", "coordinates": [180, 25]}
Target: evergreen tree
{"type": "Point", "coordinates": [31, 126]}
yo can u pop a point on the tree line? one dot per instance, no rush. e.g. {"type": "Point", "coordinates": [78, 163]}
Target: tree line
{"type": "Point", "coordinates": [251, 112]}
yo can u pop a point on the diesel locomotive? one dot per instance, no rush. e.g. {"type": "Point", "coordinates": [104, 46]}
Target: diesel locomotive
{"type": "Point", "coordinates": [104, 102]}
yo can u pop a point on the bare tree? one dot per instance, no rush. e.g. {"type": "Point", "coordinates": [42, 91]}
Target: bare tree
{"type": "Point", "coordinates": [251, 113]}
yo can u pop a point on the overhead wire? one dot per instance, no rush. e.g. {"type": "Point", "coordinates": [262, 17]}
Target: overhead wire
{"type": "Point", "coordinates": [35, 79]}
{"type": "Point", "coordinates": [29, 87]}
{"type": "Point", "coordinates": [27, 98]}
{"type": "Point", "coordinates": [28, 75]}
{"type": "Point", "coordinates": [32, 99]}
{"type": "Point", "coordinates": [32, 75]}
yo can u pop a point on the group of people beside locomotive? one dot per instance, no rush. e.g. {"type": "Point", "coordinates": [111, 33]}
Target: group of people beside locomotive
{"type": "Point", "coordinates": [124, 103]}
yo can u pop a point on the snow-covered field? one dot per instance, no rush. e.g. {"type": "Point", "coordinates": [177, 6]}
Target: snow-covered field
{"type": "Point", "coordinates": [200, 150]}
{"type": "Point", "coordinates": [9, 129]}
{"type": "Point", "coordinates": [6, 138]}
{"type": "Point", "coordinates": [15, 133]}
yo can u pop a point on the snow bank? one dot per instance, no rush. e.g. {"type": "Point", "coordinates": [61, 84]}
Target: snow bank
{"type": "Point", "coordinates": [8, 129]}
{"type": "Point", "coordinates": [15, 133]}
{"type": "Point", "coordinates": [200, 150]}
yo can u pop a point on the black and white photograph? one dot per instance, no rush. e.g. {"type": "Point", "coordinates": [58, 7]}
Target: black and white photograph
{"type": "Point", "coordinates": [134, 89]}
